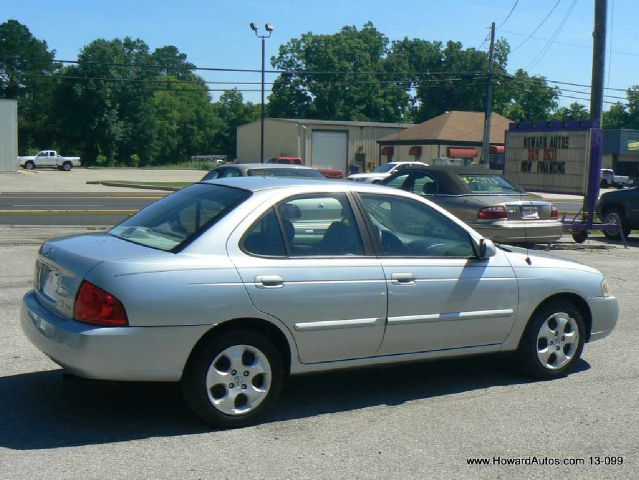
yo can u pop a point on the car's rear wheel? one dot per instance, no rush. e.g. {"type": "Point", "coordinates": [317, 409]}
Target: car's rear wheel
{"type": "Point", "coordinates": [29, 165]}
{"type": "Point", "coordinates": [553, 340]}
{"type": "Point", "coordinates": [234, 379]}
{"type": "Point", "coordinates": [66, 166]}
{"type": "Point", "coordinates": [615, 215]}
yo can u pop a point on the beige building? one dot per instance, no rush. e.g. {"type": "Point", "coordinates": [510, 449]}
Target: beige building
{"type": "Point", "coordinates": [8, 135]}
{"type": "Point", "coordinates": [320, 143]}
{"type": "Point", "coordinates": [453, 134]}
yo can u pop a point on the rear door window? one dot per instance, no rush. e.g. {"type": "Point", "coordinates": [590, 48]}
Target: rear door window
{"type": "Point", "coordinates": [180, 217]}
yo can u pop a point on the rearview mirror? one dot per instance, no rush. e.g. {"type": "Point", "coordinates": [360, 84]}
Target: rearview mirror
{"type": "Point", "coordinates": [485, 248]}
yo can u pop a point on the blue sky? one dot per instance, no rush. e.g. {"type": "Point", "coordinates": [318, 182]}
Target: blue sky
{"type": "Point", "coordinates": [215, 33]}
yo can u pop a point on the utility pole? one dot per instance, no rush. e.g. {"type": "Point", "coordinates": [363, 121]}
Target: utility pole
{"type": "Point", "coordinates": [485, 149]}
{"type": "Point", "coordinates": [596, 106]}
{"type": "Point", "coordinates": [269, 29]}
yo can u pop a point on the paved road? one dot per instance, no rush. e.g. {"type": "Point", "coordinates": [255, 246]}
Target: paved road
{"type": "Point", "coordinates": [104, 208]}
{"type": "Point", "coordinates": [408, 421]}
{"type": "Point", "coordinates": [50, 208]}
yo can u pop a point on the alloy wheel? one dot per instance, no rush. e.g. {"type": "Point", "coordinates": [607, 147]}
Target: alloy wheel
{"type": "Point", "coordinates": [557, 341]}
{"type": "Point", "coordinates": [238, 379]}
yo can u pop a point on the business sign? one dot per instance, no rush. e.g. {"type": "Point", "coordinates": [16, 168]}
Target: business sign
{"type": "Point", "coordinates": [633, 145]}
{"type": "Point", "coordinates": [552, 157]}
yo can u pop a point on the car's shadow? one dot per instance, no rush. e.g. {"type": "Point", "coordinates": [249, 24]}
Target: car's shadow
{"type": "Point", "coordinates": [40, 411]}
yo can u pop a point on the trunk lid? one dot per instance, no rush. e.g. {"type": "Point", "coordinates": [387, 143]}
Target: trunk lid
{"type": "Point", "coordinates": [64, 262]}
{"type": "Point", "coordinates": [519, 207]}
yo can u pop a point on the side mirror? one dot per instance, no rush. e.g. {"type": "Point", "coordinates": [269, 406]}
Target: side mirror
{"type": "Point", "coordinates": [485, 249]}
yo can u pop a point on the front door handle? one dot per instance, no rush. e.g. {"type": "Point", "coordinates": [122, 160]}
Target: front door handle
{"type": "Point", "coordinates": [269, 281]}
{"type": "Point", "coordinates": [403, 279]}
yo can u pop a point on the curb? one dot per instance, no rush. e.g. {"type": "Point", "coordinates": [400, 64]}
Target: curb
{"type": "Point", "coordinates": [140, 186]}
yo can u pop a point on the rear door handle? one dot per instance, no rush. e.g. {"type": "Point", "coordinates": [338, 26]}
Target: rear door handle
{"type": "Point", "coordinates": [269, 281]}
{"type": "Point", "coordinates": [403, 279]}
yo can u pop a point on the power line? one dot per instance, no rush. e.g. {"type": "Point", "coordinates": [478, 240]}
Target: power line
{"type": "Point", "coordinates": [537, 28]}
{"type": "Point", "coordinates": [553, 37]}
{"type": "Point", "coordinates": [509, 14]}
{"type": "Point", "coordinates": [569, 44]}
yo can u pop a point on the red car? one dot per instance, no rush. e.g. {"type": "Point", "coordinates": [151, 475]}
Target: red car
{"type": "Point", "coordinates": [298, 161]}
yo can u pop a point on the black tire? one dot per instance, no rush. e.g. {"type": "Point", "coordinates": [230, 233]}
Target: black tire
{"type": "Point", "coordinates": [528, 345]}
{"type": "Point", "coordinates": [604, 183]}
{"type": "Point", "coordinates": [29, 165]}
{"type": "Point", "coordinates": [67, 166]}
{"type": "Point", "coordinates": [193, 383]}
{"type": "Point", "coordinates": [579, 236]}
{"type": "Point", "coordinates": [610, 215]}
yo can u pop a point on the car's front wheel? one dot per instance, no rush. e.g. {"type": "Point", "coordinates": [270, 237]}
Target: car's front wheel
{"type": "Point", "coordinates": [234, 379]}
{"type": "Point", "coordinates": [553, 340]}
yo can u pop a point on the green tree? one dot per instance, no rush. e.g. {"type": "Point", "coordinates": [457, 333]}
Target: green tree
{"type": "Point", "coordinates": [356, 83]}
{"type": "Point", "coordinates": [232, 112]}
{"type": "Point", "coordinates": [25, 64]}
{"type": "Point", "coordinates": [574, 111]}
{"type": "Point", "coordinates": [616, 117]}
{"type": "Point", "coordinates": [525, 97]}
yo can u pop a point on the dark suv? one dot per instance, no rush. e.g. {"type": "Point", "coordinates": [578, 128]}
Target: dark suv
{"type": "Point", "coordinates": [620, 206]}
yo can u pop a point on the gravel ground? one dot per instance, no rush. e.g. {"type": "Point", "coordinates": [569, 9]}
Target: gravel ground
{"type": "Point", "coordinates": [412, 421]}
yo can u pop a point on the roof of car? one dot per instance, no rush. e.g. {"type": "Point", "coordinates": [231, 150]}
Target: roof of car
{"type": "Point", "coordinates": [248, 166]}
{"type": "Point", "coordinates": [256, 184]}
{"type": "Point", "coordinates": [448, 177]}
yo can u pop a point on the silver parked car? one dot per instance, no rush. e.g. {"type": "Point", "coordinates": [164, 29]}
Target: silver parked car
{"type": "Point", "coordinates": [486, 200]}
{"type": "Point", "coordinates": [262, 170]}
{"type": "Point", "coordinates": [228, 286]}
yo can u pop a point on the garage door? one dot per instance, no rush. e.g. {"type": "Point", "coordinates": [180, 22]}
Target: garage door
{"type": "Point", "coordinates": [329, 149]}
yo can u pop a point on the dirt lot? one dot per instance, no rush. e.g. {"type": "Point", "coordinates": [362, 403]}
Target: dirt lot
{"type": "Point", "coordinates": [416, 421]}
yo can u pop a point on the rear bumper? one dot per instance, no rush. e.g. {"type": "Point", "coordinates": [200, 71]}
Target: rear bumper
{"type": "Point", "coordinates": [127, 353]}
{"type": "Point", "coordinates": [509, 231]}
{"type": "Point", "coordinates": [604, 312]}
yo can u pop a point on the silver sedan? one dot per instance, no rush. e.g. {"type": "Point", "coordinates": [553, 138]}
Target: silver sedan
{"type": "Point", "coordinates": [230, 285]}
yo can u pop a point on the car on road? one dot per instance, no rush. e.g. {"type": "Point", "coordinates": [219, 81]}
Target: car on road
{"type": "Point", "coordinates": [619, 207]}
{"type": "Point", "coordinates": [384, 171]}
{"type": "Point", "coordinates": [262, 170]}
{"type": "Point", "coordinates": [486, 200]}
{"type": "Point", "coordinates": [228, 286]}
{"type": "Point", "coordinates": [49, 159]}
{"type": "Point", "coordinates": [284, 160]}
{"type": "Point", "coordinates": [609, 179]}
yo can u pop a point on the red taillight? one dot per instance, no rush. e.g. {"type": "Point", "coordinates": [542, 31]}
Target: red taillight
{"type": "Point", "coordinates": [97, 307]}
{"type": "Point", "coordinates": [554, 213]}
{"type": "Point", "coordinates": [492, 213]}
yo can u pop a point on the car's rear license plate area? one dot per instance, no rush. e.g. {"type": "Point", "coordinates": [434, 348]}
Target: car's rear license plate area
{"type": "Point", "coordinates": [529, 213]}
{"type": "Point", "coordinates": [48, 281]}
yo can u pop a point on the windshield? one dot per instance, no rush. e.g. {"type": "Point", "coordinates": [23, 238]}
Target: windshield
{"type": "Point", "coordinates": [169, 222]}
{"type": "Point", "coordinates": [384, 168]}
{"type": "Point", "coordinates": [491, 184]}
{"type": "Point", "coordinates": [285, 172]}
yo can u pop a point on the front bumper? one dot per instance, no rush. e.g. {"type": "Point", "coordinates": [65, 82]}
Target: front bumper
{"type": "Point", "coordinates": [109, 353]}
{"type": "Point", "coordinates": [520, 231]}
{"type": "Point", "coordinates": [604, 312]}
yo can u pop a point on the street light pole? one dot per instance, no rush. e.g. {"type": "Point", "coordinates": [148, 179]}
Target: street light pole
{"type": "Point", "coordinates": [269, 28]}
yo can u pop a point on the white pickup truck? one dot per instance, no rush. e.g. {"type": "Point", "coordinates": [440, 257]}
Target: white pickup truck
{"type": "Point", "coordinates": [609, 179]}
{"type": "Point", "coordinates": [49, 159]}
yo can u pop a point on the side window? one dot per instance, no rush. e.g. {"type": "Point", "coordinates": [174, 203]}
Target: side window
{"type": "Point", "coordinates": [423, 184]}
{"type": "Point", "coordinates": [230, 172]}
{"type": "Point", "coordinates": [265, 237]}
{"type": "Point", "coordinates": [408, 228]}
{"type": "Point", "coordinates": [317, 225]}
{"type": "Point", "coordinates": [398, 181]}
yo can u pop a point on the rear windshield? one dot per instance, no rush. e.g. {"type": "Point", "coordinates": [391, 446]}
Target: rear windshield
{"type": "Point", "coordinates": [384, 168]}
{"type": "Point", "coordinates": [285, 172]}
{"type": "Point", "coordinates": [172, 221]}
{"type": "Point", "coordinates": [492, 184]}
